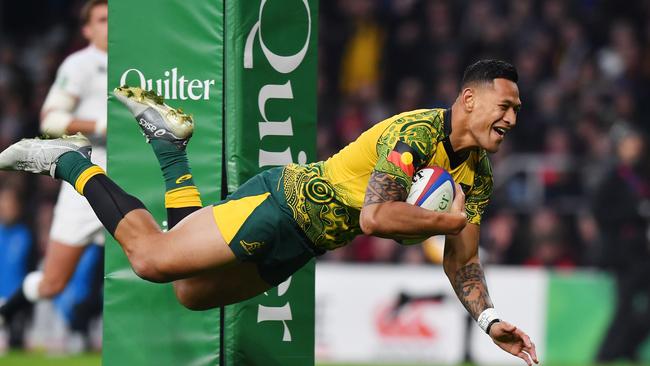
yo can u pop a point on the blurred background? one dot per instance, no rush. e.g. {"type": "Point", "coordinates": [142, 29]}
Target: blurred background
{"type": "Point", "coordinates": [572, 180]}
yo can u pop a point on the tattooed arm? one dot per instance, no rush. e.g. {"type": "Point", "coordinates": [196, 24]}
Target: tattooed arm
{"type": "Point", "coordinates": [464, 270]}
{"type": "Point", "coordinates": [385, 214]}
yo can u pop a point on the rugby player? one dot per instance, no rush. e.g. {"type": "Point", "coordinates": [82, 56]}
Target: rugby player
{"type": "Point", "coordinates": [281, 218]}
{"type": "Point", "coordinates": [75, 103]}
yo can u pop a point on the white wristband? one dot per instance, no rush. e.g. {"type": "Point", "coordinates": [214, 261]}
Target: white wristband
{"type": "Point", "coordinates": [487, 317]}
{"type": "Point", "coordinates": [30, 286]}
{"type": "Point", "coordinates": [100, 127]}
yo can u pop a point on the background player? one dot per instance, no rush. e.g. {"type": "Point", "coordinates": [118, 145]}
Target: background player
{"type": "Point", "coordinates": [278, 220]}
{"type": "Point", "coordinates": [75, 103]}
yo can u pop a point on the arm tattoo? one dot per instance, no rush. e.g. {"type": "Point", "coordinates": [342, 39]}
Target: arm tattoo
{"type": "Point", "coordinates": [471, 289]}
{"type": "Point", "coordinates": [382, 188]}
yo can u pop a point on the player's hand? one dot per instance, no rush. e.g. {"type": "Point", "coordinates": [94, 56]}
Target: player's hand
{"type": "Point", "coordinates": [458, 205]}
{"type": "Point", "coordinates": [514, 341]}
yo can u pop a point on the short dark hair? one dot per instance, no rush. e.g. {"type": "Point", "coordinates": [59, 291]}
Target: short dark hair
{"type": "Point", "coordinates": [488, 70]}
{"type": "Point", "coordinates": [87, 8]}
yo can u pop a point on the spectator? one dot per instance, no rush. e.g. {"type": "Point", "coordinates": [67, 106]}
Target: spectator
{"type": "Point", "coordinates": [623, 221]}
{"type": "Point", "coordinates": [16, 248]}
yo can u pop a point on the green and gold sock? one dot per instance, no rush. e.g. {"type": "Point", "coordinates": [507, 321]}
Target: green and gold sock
{"type": "Point", "coordinates": [179, 185]}
{"type": "Point", "coordinates": [173, 163]}
{"type": "Point", "coordinates": [76, 169]}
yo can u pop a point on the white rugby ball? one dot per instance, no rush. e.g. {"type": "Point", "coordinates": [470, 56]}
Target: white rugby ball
{"type": "Point", "coordinates": [432, 188]}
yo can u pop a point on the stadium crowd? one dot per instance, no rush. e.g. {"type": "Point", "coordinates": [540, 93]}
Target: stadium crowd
{"type": "Point", "coordinates": [584, 79]}
{"type": "Point", "coordinates": [572, 180]}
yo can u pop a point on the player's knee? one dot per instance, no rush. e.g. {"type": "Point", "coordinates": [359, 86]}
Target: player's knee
{"type": "Point", "coordinates": [147, 269]}
{"type": "Point", "coordinates": [51, 286]}
{"type": "Point", "coordinates": [187, 297]}
{"type": "Point", "coordinates": [148, 272]}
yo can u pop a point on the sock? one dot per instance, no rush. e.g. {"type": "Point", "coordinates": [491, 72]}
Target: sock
{"type": "Point", "coordinates": [173, 163]}
{"type": "Point", "coordinates": [16, 302]}
{"type": "Point", "coordinates": [181, 196]}
{"type": "Point", "coordinates": [108, 200]}
{"type": "Point", "coordinates": [72, 165]}
{"type": "Point", "coordinates": [175, 215]}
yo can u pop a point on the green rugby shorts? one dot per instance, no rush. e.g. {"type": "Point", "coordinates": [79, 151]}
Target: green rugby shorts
{"type": "Point", "coordinates": [259, 227]}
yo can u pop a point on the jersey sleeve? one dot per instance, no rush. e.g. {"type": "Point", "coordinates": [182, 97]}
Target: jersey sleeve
{"type": "Point", "coordinates": [69, 77]}
{"type": "Point", "coordinates": [405, 147]}
{"type": "Point", "coordinates": [479, 195]}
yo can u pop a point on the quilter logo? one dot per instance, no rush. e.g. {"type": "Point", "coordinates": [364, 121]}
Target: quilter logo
{"type": "Point", "coordinates": [284, 65]}
{"type": "Point", "coordinates": [172, 85]}
{"type": "Point", "coordinates": [278, 313]}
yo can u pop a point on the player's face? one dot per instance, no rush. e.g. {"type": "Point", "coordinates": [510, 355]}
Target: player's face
{"type": "Point", "coordinates": [96, 31]}
{"type": "Point", "coordinates": [494, 113]}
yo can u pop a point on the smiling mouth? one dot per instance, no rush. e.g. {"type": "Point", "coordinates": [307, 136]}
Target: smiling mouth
{"type": "Point", "coordinates": [500, 130]}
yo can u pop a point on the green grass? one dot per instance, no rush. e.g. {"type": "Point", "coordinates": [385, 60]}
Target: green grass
{"type": "Point", "coordinates": [40, 359]}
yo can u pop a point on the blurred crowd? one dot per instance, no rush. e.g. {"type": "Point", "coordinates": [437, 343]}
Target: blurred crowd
{"type": "Point", "coordinates": [572, 180]}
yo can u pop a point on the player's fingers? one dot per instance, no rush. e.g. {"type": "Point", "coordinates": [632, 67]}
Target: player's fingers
{"type": "Point", "coordinates": [460, 189]}
{"type": "Point", "coordinates": [524, 337]}
{"type": "Point", "coordinates": [524, 356]}
{"type": "Point", "coordinates": [533, 352]}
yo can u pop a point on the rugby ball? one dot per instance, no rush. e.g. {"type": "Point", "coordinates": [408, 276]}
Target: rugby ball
{"type": "Point", "coordinates": [432, 188]}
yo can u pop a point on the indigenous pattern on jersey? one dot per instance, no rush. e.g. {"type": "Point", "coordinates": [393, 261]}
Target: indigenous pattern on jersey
{"type": "Point", "coordinates": [326, 197]}
{"type": "Point", "coordinates": [327, 221]}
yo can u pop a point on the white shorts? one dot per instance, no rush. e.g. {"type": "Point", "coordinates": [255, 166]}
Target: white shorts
{"type": "Point", "coordinates": [74, 222]}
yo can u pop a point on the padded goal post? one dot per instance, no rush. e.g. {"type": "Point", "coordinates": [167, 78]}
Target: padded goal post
{"type": "Point", "coordinates": [271, 58]}
{"type": "Point", "coordinates": [180, 49]}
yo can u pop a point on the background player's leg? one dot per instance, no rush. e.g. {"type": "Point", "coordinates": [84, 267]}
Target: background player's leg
{"type": "Point", "coordinates": [60, 263]}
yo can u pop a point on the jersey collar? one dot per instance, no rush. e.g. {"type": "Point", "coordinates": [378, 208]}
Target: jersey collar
{"type": "Point", "coordinates": [455, 158]}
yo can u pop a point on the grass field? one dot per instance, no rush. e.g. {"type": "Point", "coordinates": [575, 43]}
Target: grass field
{"type": "Point", "coordinates": [33, 359]}
{"type": "Point", "coordinates": [36, 359]}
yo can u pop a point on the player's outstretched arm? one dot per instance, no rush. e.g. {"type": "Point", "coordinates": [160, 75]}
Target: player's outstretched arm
{"type": "Point", "coordinates": [463, 268]}
{"type": "Point", "coordinates": [385, 214]}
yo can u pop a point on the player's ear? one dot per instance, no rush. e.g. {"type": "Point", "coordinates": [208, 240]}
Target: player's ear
{"type": "Point", "coordinates": [467, 97]}
{"type": "Point", "coordinates": [86, 32]}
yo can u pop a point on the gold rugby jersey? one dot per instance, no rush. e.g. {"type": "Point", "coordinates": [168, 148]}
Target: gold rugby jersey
{"type": "Point", "coordinates": [326, 197]}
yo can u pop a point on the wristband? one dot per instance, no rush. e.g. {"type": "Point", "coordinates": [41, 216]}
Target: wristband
{"type": "Point", "coordinates": [100, 127]}
{"type": "Point", "coordinates": [490, 325]}
{"type": "Point", "coordinates": [488, 317]}
{"type": "Point", "coordinates": [30, 286]}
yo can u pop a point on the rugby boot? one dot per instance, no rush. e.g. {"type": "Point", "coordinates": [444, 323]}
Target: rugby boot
{"type": "Point", "coordinates": [40, 156]}
{"type": "Point", "coordinates": [157, 120]}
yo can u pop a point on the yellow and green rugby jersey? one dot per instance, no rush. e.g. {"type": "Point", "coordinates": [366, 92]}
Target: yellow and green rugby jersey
{"type": "Point", "coordinates": [326, 197]}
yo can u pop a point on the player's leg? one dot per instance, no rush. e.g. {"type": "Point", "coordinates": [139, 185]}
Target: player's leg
{"type": "Point", "coordinates": [123, 215]}
{"type": "Point", "coordinates": [74, 226]}
{"type": "Point", "coordinates": [59, 265]}
{"type": "Point", "coordinates": [220, 285]}
{"type": "Point", "coordinates": [68, 236]}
